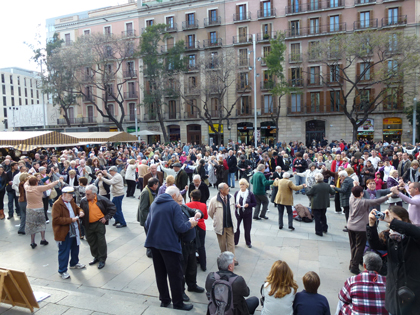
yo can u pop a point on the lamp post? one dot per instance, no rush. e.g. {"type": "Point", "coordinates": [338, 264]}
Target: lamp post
{"type": "Point", "coordinates": [43, 100]}
{"type": "Point", "coordinates": [254, 48]}
{"type": "Point", "coordinates": [135, 122]}
{"type": "Point", "coordinates": [414, 120]}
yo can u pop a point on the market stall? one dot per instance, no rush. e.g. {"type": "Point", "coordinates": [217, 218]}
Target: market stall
{"type": "Point", "coordinates": [29, 140]}
{"type": "Point", "coordinates": [101, 137]}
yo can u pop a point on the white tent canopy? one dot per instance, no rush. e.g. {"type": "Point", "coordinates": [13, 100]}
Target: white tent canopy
{"type": "Point", "coordinates": [147, 133]}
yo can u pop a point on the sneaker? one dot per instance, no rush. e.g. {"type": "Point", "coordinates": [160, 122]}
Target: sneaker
{"type": "Point", "coordinates": [78, 266]}
{"type": "Point", "coordinates": [48, 221]}
{"type": "Point", "coordinates": [64, 275]}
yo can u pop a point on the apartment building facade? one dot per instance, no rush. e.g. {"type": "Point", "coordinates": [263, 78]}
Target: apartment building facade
{"type": "Point", "coordinates": [210, 29]}
{"type": "Point", "coordinates": [23, 102]}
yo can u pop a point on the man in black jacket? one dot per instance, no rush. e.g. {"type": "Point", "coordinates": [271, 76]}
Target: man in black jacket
{"type": "Point", "coordinates": [11, 194]}
{"type": "Point", "coordinates": [232, 163]}
{"type": "Point", "coordinates": [276, 161]}
{"type": "Point", "coordinates": [98, 211]}
{"type": "Point", "coordinates": [189, 247]}
{"type": "Point", "coordinates": [181, 178]}
{"type": "Point", "coordinates": [300, 165]}
{"type": "Point", "coordinates": [203, 188]}
{"type": "Point", "coordinates": [226, 265]}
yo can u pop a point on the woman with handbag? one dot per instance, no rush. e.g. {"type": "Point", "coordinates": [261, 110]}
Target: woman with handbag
{"type": "Point", "coordinates": [35, 216]}
{"type": "Point", "coordinates": [279, 290]}
{"type": "Point", "coordinates": [402, 242]}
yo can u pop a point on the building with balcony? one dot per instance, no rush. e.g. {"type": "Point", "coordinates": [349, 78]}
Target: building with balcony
{"type": "Point", "coordinates": [208, 29]}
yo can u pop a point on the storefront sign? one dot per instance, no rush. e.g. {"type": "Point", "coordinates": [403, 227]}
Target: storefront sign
{"type": "Point", "coordinates": [216, 127]}
{"type": "Point", "coordinates": [367, 126]}
{"type": "Point", "coordinates": [268, 127]}
{"type": "Point", "coordinates": [392, 121]}
{"type": "Point", "coordinates": [246, 128]}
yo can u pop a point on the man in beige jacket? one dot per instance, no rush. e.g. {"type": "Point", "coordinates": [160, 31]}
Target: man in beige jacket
{"type": "Point", "coordinates": [222, 211]}
{"type": "Point", "coordinates": [115, 180]}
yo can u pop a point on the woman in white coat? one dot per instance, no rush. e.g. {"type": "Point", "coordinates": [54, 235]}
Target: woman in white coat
{"type": "Point", "coordinates": [130, 178]}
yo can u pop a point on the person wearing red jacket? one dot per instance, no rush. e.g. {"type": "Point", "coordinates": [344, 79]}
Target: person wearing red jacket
{"type": "Point", "coordinates": [336, 163]}
{"type": "Point", "coordinates": [196, 204]}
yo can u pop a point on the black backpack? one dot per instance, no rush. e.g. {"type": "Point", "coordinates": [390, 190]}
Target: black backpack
{"type": "Point", "coordinates": [221, 296]}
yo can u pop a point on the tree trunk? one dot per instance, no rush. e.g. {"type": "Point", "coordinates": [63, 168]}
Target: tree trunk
{"type": "Point", "coordinates": [162, 126]}
{"type": "Point", "coordinates": [354, 132]}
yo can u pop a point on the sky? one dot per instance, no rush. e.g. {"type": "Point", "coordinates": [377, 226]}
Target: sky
{"type": "Point", "coordinates": [21, 19]}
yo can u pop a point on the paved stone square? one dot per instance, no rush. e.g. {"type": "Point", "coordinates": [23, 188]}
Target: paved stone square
{"type": "Point", "coordinates": [127, 283]}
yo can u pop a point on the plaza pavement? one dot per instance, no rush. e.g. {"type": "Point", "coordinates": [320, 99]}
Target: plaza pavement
{"type": "Point", "coordinates": [127, 283]}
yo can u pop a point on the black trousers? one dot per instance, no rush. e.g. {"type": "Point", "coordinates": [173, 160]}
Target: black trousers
{"type": "Point", "coordinates": [337, 202]}
{"type": "Point", "coordinates": [346, 212]}
{"type": "Point", "coordinates": [140, 183]}
{"type": "Point", "coordinates": [289, 215]}
{"type": "Point", "coordinates": [252, 304]}
{"type": "Point", "coordinates": [357, 246]}
{"type": "Point", "coordinates": [261, 199]}
{"type": "Point", "coordinates": [246, 216]}
{"type": "Point", "coordinates": [168, 265]}
{"type": "Point", "coordinates": [46, 205]}
{"type": "Point", "coordinates": [320, 221]}
{"type": "Point", "coordinates": [189, 265]}
{"type": "Point", "coordinates": [202, 257]}
{"type": "Point", "coordinates": [131, 187]}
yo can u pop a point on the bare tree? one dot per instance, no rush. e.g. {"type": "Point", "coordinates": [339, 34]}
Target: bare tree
{"type": "Point", "coordinates": [209, 100]}
{"type": "Point", "coordinates": [104, 71]}
{"type": "Point", "coordinates": [385, 62]}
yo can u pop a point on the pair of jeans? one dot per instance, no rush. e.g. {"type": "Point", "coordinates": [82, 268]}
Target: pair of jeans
{"type": "Point", "coordinates": [22, 207]}
{"type": "Point", "coordinates": [231, 180]}
{"type": "Point", "coordinates": [64, 249]}
{"type": "Point", "coordinates": [299, 181]}
{"type": "Point", "coordinates": [119, 217]}
{"type": "Point", "coordinates": [13, 199]}
{"type": "Point", "coordinates": [289, 215]}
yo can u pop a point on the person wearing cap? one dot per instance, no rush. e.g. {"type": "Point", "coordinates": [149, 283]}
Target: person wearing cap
{"type": "Point", "coordinates": [67, 230]}
{"type": "Point", "coordinates": [115, 180]}
{"type": "Point", "coordinates": [98, 210]}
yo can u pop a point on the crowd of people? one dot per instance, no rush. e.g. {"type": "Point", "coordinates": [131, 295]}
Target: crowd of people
{"type": "Point", "coordinates": [85, 190]}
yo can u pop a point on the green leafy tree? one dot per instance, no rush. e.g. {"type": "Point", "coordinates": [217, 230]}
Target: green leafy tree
{"type": "Point", "coordinates": [57, 80]}
{"type": "Point", "coordinates": [161, 72]}
{"type": "Point", "coordinates": [277, 82]}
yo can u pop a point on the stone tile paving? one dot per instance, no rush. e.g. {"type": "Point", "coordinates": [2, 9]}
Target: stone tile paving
{"type": "Point", "coordinates": [127, 283]}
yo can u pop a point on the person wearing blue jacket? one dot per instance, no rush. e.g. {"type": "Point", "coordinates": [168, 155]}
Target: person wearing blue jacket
{"type": "Point", "coordinates": [164, 224]}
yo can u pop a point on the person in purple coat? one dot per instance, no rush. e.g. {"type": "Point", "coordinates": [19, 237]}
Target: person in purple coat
{"type": "Point", "coordinates": [244, 202]}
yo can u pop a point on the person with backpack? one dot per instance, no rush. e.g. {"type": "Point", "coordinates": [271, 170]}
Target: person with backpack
{"type": "Point", "coordinates": [227, 291]}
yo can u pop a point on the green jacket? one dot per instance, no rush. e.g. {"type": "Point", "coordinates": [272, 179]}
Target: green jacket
{"type": "Point", "coordinates": [259, 182]}
{"type": "Point", "coordinates": [146, 199]}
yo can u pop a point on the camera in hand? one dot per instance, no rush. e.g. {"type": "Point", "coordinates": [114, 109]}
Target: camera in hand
{"type": "Point", "coordinates": [380, 215]}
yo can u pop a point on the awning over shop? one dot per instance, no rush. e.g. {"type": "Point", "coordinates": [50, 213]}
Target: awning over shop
{"type": "Point", "coordinates": [101, 137]}
{"type": "Point", "coordinates": [29, 140]}
{"type": "Point", "coordinates": [148, 133]}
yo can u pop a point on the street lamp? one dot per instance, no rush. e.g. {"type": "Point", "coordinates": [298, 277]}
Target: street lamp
{"type": "Point", "coordinates": [135, 122]}
{"type": "Point", "coordinates": [414, 120]}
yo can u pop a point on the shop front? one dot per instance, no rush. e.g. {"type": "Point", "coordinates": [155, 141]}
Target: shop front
{"type": "Point", "coordinates": [216, 138]}
{"type": "Point", "coordinates": [315, 130]}
{"type": "Point", "coordinates": [174, 133]}
{"type": "Point", "coordinates": [245, 132]}
{"type": "Point", "coordinates": [392, 129]}
{"type": "Point", "coordinates": [366, 130]}
{"type": "Point", "coordinates": [268, 132]}
{"type": "Point", "coordinates": [194, 133]}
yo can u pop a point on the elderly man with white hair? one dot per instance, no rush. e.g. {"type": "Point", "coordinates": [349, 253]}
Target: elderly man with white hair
{"type": "Point", "coordinates": [98, 211]}
{"type": "Point", "coordinates": [346, 184]}
{"type": "Point", "coordinates": [320, 200]}
{"type": "Point", "coordinates": [222, 211]}
{"type": "Point", "coordinates": [164, 224]}
{"type": "Point", "coordinates": [84, 171]}
{"type": "Point", "coordinates": [115, 180]}
{"type": "Point", "coordinates": [202, 187]}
